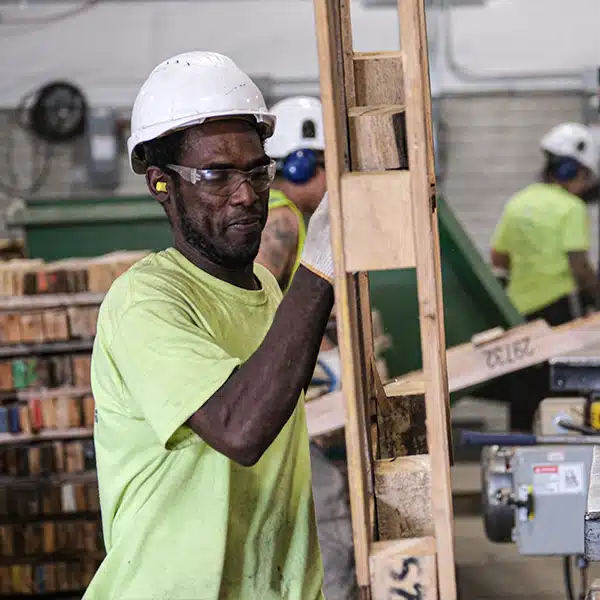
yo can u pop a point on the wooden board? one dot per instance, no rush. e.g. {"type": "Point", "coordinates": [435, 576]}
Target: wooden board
{"type": "Point", "coordinates": [377, 137]}
{"type": "Point", "coordinates": [371, 212]}
{"type": "Point", "coordinates": [372, 73]}
{"type": "Point", "coordinates": [404, 569]}
{"type": "Point", "coordinates": [594, 591]}
{"type": "Point", "coordinates": [520, 347]}
{"type": "Point", "coordinates": [332, 20]}
{"type": "Point", "coordinates": [377, 116]}
{"type": "Point", "coordinates": [325, 414]}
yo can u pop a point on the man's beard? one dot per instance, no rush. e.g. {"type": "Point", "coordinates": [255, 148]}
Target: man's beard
{"type": "Point", "coordinates": [224, 256]}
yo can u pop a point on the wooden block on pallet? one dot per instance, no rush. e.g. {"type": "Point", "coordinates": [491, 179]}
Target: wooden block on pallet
{"type": "Point", "coordinates": [56, 325]}
{"type": "Point", "coordinates": [102, 271]}
{"type": "Point", "coordinates": [88, 409]}
{"type": "Point", "coordinates": [373, 72]}
{"type": "Point", "coordinates": [403, 497]}
{"type": "Point", "coordinates": [99, 276]}
{"type": "Point", "coordinates": [10, 328]}
{"type": "Point", "coordinates": [67, 276]}
{"type": "Point", "coordinates": [377, 206]}
{"type": "Point", "coordinates": [404, 569]}
{"type": "Point", "coordinates": [403, 430]}
{"type": "Point", "coordinates": [32, 327]}
{"type": "Point", "coordinates": [77, 321]}
{"type": "Point", "coordinates": [377, 137]}
{"type": "Point", "coordinates": [12, 275]}
{"type": "Point", "coordinates": [81, 370]}
{"type": "Point", "coordinates": [6, 377]}
{"type": "Point", "coordinates": [92, 319]}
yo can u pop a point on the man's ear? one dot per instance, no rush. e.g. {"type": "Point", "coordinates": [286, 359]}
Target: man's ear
{"type": "Point", "coordinates": [159, 184]}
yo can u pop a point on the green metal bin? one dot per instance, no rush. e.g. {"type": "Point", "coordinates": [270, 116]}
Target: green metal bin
{"type": "Point", "coordinates": [57, 228]}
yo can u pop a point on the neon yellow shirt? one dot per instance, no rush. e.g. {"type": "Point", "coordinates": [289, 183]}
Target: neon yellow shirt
{"type": "Point", "coordinates": [278, 199]}
{"type": "Point", "coordinates": [539, 227]}
{"type": "Point", "coordinates": [180, 520]}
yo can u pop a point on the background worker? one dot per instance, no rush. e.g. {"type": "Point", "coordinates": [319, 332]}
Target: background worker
{"type": "Point", "coordinates": [542, 242]}
{"type": "Point", "coordinates": [298, 146]}
{"type": "Point", "coordinates": [199, 365]}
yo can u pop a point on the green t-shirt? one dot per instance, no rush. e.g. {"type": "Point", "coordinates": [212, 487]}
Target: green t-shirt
{"type": "Point", "coordinates": [539, 227]}
{"type": "Point", "coordinates": [180, 520]}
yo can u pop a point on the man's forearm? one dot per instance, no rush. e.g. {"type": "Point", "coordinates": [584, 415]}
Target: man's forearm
{"type": "Point", "coordinates": [585, 277]}
{"type": "Point", "coordinates": [590, 286]}
{"type": "Point", "coordinates": [243, 418]}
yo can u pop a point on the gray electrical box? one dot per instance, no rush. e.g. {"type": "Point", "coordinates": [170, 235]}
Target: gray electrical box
{"type": "Point", "coordinates": [102, 149]}
{"type": "Point", "coordinates": [551, 485]}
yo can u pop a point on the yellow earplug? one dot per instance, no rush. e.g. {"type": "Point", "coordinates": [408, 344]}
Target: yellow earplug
{"type": "Point", "coordinates": [161, 186]}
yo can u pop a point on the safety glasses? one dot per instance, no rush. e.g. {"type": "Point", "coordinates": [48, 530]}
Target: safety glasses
{"type": "Point", "coordinates": [225, 182]}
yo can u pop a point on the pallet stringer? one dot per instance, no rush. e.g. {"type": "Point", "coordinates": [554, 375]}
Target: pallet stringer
{"type": "Point", "coordinates": [377, 118]}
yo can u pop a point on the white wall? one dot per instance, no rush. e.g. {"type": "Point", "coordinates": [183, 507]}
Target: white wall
{"type": "Point", "coordinates": [111, 47]}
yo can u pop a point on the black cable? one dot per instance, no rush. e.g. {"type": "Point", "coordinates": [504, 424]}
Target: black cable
{"type": "Point", "coordinates": [568, 577]}
{"type": "Point", "coordinates": [577, 428]}
{"type": "Point", "coordinates": [582, 563]}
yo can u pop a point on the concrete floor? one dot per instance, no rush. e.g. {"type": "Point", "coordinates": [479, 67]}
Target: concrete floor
{"type": "Point", "coordinates": [488, 571]}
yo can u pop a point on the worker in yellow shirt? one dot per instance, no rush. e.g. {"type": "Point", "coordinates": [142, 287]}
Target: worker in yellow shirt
{"type": "Point", "coordinates": [542, 242]}
{"type": "Point", "coordinates": [199, 364]}
{"type": "Point", "coordinates": [298, 146]}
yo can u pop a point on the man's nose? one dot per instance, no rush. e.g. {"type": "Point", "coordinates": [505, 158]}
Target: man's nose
{"type": "Point", "coordinates": [244, 194]}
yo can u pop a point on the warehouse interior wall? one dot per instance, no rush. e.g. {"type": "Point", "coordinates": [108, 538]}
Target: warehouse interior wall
{"type": "Point", "coordinates": [109, 47]}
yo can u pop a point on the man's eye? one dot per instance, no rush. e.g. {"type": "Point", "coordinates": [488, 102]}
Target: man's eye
{"type": "Point", "coordinates": [259, 173]}
{"type": "Point", "coordinates": [214, 176]}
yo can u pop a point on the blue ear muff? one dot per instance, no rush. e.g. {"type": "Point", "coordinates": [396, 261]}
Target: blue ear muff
{"type": "Point", "coordinates": [566, 169]}
{"type": "Point", "coordinates": [300, 166]}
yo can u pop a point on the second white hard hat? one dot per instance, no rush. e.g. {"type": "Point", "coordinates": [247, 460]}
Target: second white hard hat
{"type": "Point", "coordinates": [187, 89]}
{"type": "Point", "coordinates": [299, 126]}
{"type": "Point", "coordinates": [575, 141]}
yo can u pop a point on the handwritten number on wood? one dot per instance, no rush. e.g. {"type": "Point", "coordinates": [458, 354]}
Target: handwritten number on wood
{"type": "Point", "coordinates": [509, 353]}
{"type": "Point", "coordinates": [417, 589]}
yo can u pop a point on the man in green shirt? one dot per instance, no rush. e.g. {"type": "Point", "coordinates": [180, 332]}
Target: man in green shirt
{"type": "Point", "coordinates": [542, 241]}
{"type": "Point", "coordinates": [199, 365]}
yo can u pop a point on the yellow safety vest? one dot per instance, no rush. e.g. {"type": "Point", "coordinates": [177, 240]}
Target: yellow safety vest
{"type": "Point", "coordinates": [277, 199]}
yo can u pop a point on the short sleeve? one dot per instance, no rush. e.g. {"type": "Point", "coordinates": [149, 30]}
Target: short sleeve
{"type": "Point", "coordinates": [500, 241]}
{"type": "Point", "coordinates": [575, 230]}
{"type": "Point", "coordinates": [168, 364]}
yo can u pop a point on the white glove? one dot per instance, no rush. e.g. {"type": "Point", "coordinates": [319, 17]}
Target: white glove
{"type": "Point", "coordinates": [316, 255]}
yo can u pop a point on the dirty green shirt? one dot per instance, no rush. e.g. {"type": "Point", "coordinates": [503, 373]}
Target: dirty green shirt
{"type": "Point", "coordinates": [539, 227]}
{"type": "Point", "coordinates": [180, 520]}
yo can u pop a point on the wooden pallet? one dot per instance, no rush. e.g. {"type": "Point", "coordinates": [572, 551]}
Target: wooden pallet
{"type": "Point", "coordinates": [377, 113]}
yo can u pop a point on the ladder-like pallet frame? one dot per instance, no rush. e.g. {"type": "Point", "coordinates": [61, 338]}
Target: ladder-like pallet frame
{"type": "Point", "coordinates": [377, 114]}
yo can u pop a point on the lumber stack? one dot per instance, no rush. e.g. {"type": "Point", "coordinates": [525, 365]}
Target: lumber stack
{"type": "Point", "coordinates": [50, 527]}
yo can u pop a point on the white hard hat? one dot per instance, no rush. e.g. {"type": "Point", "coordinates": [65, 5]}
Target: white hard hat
{"type": "Point", "coordinates": [299, 126]}
{"type": "Point", "coordinates": [576, 141]}
{"type": "Point", "coordinates": [187, 89]}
